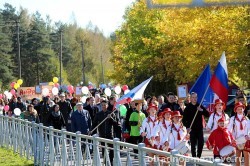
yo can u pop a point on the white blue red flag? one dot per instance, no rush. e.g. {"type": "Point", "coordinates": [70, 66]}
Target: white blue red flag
{"type": "Point", "coordinates": [219, 80]}
{"type": "Point", "coordinates": [134, 94]}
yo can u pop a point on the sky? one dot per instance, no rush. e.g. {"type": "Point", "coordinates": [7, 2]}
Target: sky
{"type": "Point", "coordinates": [106, 14]}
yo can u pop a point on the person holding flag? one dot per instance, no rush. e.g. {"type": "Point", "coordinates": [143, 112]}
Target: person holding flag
{"type": "Point", "coordinates": [135, 121]}
{"type": "Point", "coordinates": [192, 120]}
{"type": "Point", "coordinates": [219, 107]}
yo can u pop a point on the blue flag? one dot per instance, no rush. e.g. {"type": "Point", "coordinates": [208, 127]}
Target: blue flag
{"type": "Point", "coordinates": [201, 85]}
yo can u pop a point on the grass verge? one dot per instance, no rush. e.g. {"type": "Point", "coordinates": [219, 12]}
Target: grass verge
{"type": "Point", "coordinates": [9, 158]}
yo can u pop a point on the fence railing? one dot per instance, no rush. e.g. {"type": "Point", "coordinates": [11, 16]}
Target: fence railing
{"type": "Point", "coordinates": [48, 146]}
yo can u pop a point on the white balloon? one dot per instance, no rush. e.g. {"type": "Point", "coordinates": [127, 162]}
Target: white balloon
{"type": "Point", "coordinates": [45, 91]}
{"type": "Point", "coordinates": [6, 92]}
{"type": "Point", "coordinates": [107, 92]}
{"type": "Point", "coordinates": [9, 95]}
{"type": "Point", "coordinates": [126, 91]}
{"type": "Point", "coordinates": [55, 91]}
{"type": "Point", "coordinates": [85, 90]}
{"type": "Point", "coordinates": [83, 99]}
{"type": "Point", "coordinates": [17, 111]}
{"type": "Point", "coordinates": [118, 89]}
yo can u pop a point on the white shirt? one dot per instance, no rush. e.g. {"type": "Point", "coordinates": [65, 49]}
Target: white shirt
{"type": "Point", "coordinates": [213, 120]}
{"type": "Point", "coordinates": [148, 126]}
{"type": "Point", "coordinates": [161, 130]}
{"type": "Point", "coordinates": [234, 126]}
{"type": "Point", "coordinates": [172, 137]}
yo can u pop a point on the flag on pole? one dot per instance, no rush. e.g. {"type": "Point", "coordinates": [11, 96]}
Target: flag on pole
{"type": "Point", "coordinates": [201, 85]}
{"type": "Point", "coordinates": [219, 80]}
{"type": "Point", "coordinates": [134, 94]}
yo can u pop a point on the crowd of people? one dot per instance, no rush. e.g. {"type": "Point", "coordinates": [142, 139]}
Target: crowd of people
{"type": "Point", "coordinates": [162, 123]}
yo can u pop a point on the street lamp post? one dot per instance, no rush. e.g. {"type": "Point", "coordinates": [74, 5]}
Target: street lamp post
{"type": "Point", "coordinates": [18, 50]}
{"type": "Point", "coordinates": [83, 64]}
{"type": "Point", "coordinates": [60, 58]}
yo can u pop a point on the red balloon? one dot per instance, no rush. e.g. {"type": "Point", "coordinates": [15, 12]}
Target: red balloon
{"type": "Point", "coordinates": [12, 91]}
{"type": "Point", "coordinates": [6, 108]}
{"type": "Point", "coordinates": [12, 84]}
{"type": "Point", "coordinates": [57, 85]}
{"type": "Point", "coordinates": [1, 96]}
{"type": "Point", "coordinates": [125, 87]}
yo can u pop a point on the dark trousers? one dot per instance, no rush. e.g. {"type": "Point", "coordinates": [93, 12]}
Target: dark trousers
{"type": "Point", "coordinates": [135, 140]}
{"type": "Point", "coordinates": [196, 139]}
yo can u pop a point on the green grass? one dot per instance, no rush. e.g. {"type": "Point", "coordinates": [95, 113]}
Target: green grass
{"type": "Point", "coordinates": [8, 158]}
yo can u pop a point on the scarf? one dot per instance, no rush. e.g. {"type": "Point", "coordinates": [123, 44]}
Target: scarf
{"type": "Point", "coordinates": [240, 121]}
{"type": "Point", "coordinates": [153, 121]}
{"type": "Point", "coordinates": [56, 114]}
{"type": "Point", "coordinates": [178, 131]}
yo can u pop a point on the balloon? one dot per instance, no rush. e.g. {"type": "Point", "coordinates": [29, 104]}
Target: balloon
{"type": "Point", "coordinates": [9, 95]}
{"type": "Point", "coordinates": [1, 96]}
{"type": "Point", "coordinates": [118, 89]}
{"type": "Point", "coordinates": [57, 85]}
{"type": "Point", "coordinates": [51, 83]}
{"type": "Point", "coordinates": [55, 79]}
{"type": "Point", "coordinates": [85, 90]}
{"type": "Point", "coordinates": [20, 81]}
{"type": "Point", "coordinates": [123, 110]}
{"type": "Point", "coordinates": [55, 91]}
{"type": "Point", "coordinates": [70, 88]}
{"type": "Point", "coordinates": [17, 111]}
{"type": "Point", "coordinates": [6, 108]}
{"type": "Point", "coordinates": [12, 91]}
{"type": "Point", "coordinates": [107, 92]}
{"type": "Point", "coordinates": [6, 92]}
{"type": "Point", "coordinates": [125, 87]}
{"type": "Point", "coordinates": [126, 91]}
{"type": "Point", "coordinates": [45, 91]}
{"type": "Point", "coordinates": [103, 86]}
{"type": "Point", "coordinates": [83, 99]}
{"type": "Point", "coordinates": [16, 86]}
{"type": "Point", "coordinates": [12, 84]}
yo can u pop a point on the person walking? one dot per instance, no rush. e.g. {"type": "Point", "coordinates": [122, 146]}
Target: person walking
{"type": "Point", "coordinates": [56, 118]}
{"type": "Point", "coordinates": [196, 130]}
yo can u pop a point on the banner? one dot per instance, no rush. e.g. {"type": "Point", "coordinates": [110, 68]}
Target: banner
{"type": "Point", "coordinates": [27, 93]}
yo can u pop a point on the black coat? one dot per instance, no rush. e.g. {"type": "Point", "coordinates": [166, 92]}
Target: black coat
{"type": "Point", "coordinates": [172, 106]}
{"type": "Point", "coordinates": [92, 111]}
{"type": "Point", "coordinates": [189, 114]}
{"type": "Point", "coordinates": [105, 129]}
{"type": "Point", "coordinates": [56, 121]}
{"type": "Point", "coordinates": [65, 108]}
{"type": "Point", "coordinates": [45, 111]}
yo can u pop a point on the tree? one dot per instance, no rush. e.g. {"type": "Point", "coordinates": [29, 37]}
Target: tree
{"type": "Point", "coordinates": [174, 45]}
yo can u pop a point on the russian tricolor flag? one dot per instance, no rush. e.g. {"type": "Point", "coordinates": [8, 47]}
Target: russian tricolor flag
{"type": "Point", "coordinates": [219, 80]}
{"type": "Point", "coordinates": [134, 94]}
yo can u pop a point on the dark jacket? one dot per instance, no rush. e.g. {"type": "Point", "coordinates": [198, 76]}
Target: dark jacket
{"type": "Point", "coordinates": [81, 122]}
{"type": "Point", "coordinates": [31, 117]}
{"type": "Point", "coordinates": [57, 121]}
{"type": "Point", "coordinates": [92, 111]}
{"type": "Point", "coordinates": [172, 106]}
{"type": "Point", "coordinates": [65, 108]}
{"type": "Point", "coordinates": [189, 114]}
{"type": "Point", "coordinates": [105, 129]}
{"type": "Point", "coordinates": [45, 111]}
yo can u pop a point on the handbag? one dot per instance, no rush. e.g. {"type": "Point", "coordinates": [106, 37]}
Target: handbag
{"type": "Point", "coordinates": [247, 146]}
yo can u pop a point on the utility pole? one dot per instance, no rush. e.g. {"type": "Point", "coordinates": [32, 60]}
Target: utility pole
{"type": "Point", "coordinates": [83, 64]}
{"type": "Point", "coordinates": [60, 57]}
{"type": "Point", "coordinates": [102, 69]}
{"type": "Point", "coordinates": [18, 50]}
{"type": "Point", "coordinates": [37, 67]}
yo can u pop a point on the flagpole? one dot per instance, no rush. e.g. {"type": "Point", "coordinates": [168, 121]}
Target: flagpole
{"type": "Point", "coordinates": [104, 119]}
{"type": "Point", "coordinates": [199, 106]}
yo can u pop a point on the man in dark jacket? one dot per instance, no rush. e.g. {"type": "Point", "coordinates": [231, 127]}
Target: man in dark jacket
{"type": "Point", "coordinates": [171, 104]}
{"type": "Point", "coordinates": [81, 120]}
{"type": "Point", "coordinates": [196, 134]}
{"type": "Point", "coordinates": [65, 108]}
{"type": "Point", "coordinates": [105, 129]}
{"type": "Point", "coordinates": [91, 108]}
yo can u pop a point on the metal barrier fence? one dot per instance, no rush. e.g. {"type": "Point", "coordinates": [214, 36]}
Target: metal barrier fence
{"type": "Point", "coordinates": [48, 146]}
